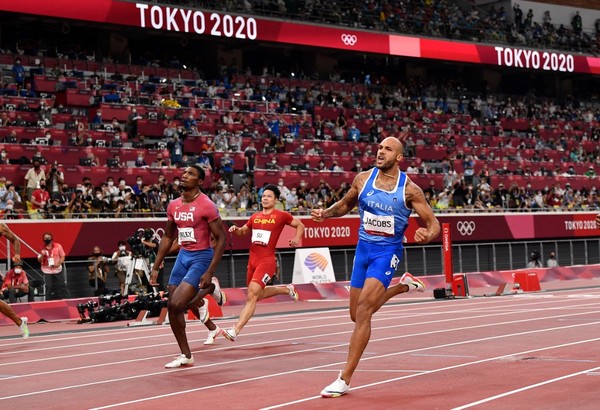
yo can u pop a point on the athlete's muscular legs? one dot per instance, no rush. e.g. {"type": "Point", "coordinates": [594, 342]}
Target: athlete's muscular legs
{"type": "Point", "coordinates": [10, 313]}
{"type": "Point", "coordinates": [363, 304]}
{"type": "Point", "coordinates": [271, 291]}
{"type": "Point", "coordinates": [390, 292]}
{"type": "Point", "coordinates": [255, 293]}
{"type": "Point", "coordinates": [179, 299]}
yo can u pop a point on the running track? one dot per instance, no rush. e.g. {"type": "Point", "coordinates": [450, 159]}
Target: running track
{"type": "Point", "coordinates": [536, 350]}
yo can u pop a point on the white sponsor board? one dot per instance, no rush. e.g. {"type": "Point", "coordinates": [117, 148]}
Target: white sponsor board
{"type": "Point", "coordinates": [313, 265]}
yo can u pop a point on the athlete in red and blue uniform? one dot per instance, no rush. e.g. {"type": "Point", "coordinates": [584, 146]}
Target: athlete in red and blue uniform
{"type": "Point", "coordinates": [191, 219]}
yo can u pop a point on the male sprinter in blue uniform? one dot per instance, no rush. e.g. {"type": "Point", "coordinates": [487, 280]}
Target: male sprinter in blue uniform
{"type": "Point", "coordinates": [385, 198]}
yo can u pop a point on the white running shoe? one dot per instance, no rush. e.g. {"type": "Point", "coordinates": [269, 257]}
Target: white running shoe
{"type": "Point", "coordinates": [292, 292]}
{"type": "Point", "coordinates": [180, 361]}
{"type": "Point", "coordinates": [412, 282]}
{"type": "Point", "coordinates": [212, 335]}
{"type": "Point", "coordinates": [230, 334]}
{"type": "Point", "coordinates": [23, 328]}
{"type": "Point", "coordinates": [203, 310]}
{"type": "Point", "coordinates": [218, 295]}
{"type": "Point", "coordinates": [336, 389]}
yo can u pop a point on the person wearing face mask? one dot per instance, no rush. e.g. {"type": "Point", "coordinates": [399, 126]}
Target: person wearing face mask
{"type": "Point", "coordinates": [51, 258]}
{"type": "Point", "coordinates": [282, 188]}
{"type": "Point", "coordinates": [121, 258]}
{"type": "Point", "coordinates": [140, 162]}
{"type": "Point", "coordinates": [16, 284]}
{"type": "Point", "coordinates": [4, 157]}
{"type": "Point", "coordinates": [138, 187]}
{"type": "Point", "coordinates": [273, 165]}
{"type": "Point", "coordinates": [55, 180]}
{"type": "Point", "coordinates": [110, 190]}
{"type": "Point", "coordinates": [39, 200]}
{"type": "Point", "coordinates": [33, 177]}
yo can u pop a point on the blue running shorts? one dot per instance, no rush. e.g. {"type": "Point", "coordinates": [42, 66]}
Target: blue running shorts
{"type": "Point", "coordinates": [375, 261]}
{"type": "Point", "coordinates": [190, 266]}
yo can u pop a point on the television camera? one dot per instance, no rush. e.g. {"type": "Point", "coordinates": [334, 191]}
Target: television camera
{"type": "Point", "coordinates": [135, 241]}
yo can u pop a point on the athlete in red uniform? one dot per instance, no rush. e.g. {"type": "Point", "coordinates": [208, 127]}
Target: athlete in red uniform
{"type": "Point", "coordinates": [265, 226]}
{"type": "Point", "coordinates": [191, 219]}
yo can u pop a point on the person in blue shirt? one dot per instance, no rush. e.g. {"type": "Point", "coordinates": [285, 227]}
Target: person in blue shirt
{"type": "Point", "coordinates": [353, 133]}
{"type": "Point", "coordinates": [18, 72]}
{"type": "Point", "coordinates": [385, 197]}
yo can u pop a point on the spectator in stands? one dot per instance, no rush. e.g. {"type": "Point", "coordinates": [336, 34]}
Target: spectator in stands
{"type": "Point", "coordinates": [300, 150]}
{"type": "Point", "coordinates": [55, 180]}
{"type": "Point", "coordinates": [175, 147]}
{"type": "Point", "coordinates": [45, 114]}
{"type": "Point", "coordinates": [39, 201]}
{"type": "Point", "coordinates": [576, 24]}
{"type": "Point", "coordinates": [9, 196]}
{"type": "Point", "coordinates": [518, 16]}
{"type": "Point", "coordinates": [140, 161]}
{"type": "Point", "coordinates": [19, 72]}
{"type": "Point", "coordinates": [19, 121]}
{"type": "Point", "coordinates": [96, 122]}
{"type": "Point", "coordinates": [235, 142]}
{"type": "Point", "coordinates": [4, 120]}
{"type": "Point", "coordinates": [160, 161]}
{"type": "Point", "coordinates": [15, 284]}
{"type": "Point", "coordinates": [52, 257]}
{"type": "Point", "coordinates": [220, 142]}
{"type": "Point", "coordinates": [116, 125]}
{"type": "Point", "coordinates": [230, 199]}
{"type": "Point", "coordinates": [500, 197]}
{"type": "Point", "coordinates": [33, 177]}
{"type": "Point", "coordinates": [190, 124]}
{"type": "Point", "coordinates": [27, 92]}
{"type": "Point", "coordinates": [131, 125]}
{"type": "Point", "coordinates": [204, 162]}
{"type": "Point", "coordinates": [170, 130]}
{"type": "Point", "coordinates": [591, 172]}
{"type": "Point", "coordinates": [353, 133]}
{"type": "Point", "coordinates": [226, 169]}
{"type": "Point", "coordinates": [217, 196]}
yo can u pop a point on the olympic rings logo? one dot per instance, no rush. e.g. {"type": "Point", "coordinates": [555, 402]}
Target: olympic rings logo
{"type": "Point", "coordinates": [466, 228]}
{"type": "Point", "coordinates": [349, 39]}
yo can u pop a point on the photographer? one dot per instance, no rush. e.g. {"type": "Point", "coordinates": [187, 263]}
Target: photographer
{"type": "Point", "coordinates": [39, 202]}
{"type": "Point", "coordinates": [122, 259]}
{"type": "Point", "coordinates": [144, 246]}
{"type": "Point", "coordinates": [535, 260]}
{"type": "Point", "coordinates": [55, 180]}
{"type": "Point", "coordinates": [98, 269]}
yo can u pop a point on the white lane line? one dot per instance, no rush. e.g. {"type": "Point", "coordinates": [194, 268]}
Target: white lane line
{"type": "Point", "coordinates": [525, 388]}
{"type": "Point", "coordinates": [372, 358]}
{"type": "Point", "coordinates": [442, 369]}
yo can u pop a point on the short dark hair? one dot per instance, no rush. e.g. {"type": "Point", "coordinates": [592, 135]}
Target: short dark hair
{"type": "Point", "coordinates": [274, 189]}
{"type": "Point", "coordinates": [201, 173]}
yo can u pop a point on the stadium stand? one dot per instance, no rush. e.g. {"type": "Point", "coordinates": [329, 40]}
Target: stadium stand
{"type": "Point", "coordinates": [546, 147]}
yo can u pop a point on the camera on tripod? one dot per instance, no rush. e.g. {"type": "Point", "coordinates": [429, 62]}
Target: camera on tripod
{"type": "Point", "coordinates": [135, 241]}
